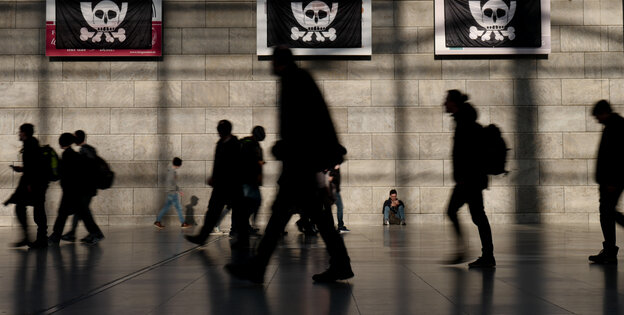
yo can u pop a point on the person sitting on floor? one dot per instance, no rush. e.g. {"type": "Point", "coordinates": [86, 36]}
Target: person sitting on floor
{"type": "Point", "coordinates": [395, 207]}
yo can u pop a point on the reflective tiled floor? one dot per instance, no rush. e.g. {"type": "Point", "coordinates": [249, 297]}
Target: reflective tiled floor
{"type": "Point", "coordinates": [541, 270]}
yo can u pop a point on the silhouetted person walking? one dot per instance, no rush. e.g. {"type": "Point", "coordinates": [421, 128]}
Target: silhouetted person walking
{"type": "Point", "coordinates": [90, 154]}
{"type": "Point", "coordinates": [78, 190]}
{"type": "Point", "coordinates": [32, 188]}
{"type": "Point", "coordinates": [226, 187]}
{"type": "Point", "coordinates": [308, 146]}
{"type": "Point", "coordinates": [610, 177]}
{"type": "Point", "coordinates": [252, 159]}
{"type": "Point", "coordinates": [470, 177]}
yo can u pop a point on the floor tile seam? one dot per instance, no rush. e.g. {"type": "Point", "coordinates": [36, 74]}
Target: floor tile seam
{"type": "Point", "coordinates": [434, 288]}
{"type": "Point", "coordinates": [535, 296]}
{"type": "Point", "coordinates": [120, 280]}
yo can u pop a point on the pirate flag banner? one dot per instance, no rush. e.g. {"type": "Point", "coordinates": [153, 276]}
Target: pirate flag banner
{"type": "Point", "coordinates": [492, 27]}
{"type": "Point", "coordinates": [103, 28]}
{"type": "Point", "coordinates": [318, 27]}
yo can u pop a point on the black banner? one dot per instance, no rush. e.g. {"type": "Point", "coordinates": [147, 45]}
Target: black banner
{"type": "Point", "coordinates": [315, 24]}
{"type": "Point", "coordinates": [493, 23]}
{"type": "Point", "coordinates": [105, 24]}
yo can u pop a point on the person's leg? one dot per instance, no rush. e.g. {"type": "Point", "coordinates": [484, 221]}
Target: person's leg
{"type": "Point", "coordinates": [479, 218]}
{"type": "Point", "coordinates": [608, 203]}
{"type": "Point", "coordinates": [321, 216]}
{"type": "Point", "coordinates": [65, 208]}
{"type": "Point", "coordinates": [74, 226]}
{"type": "Point", "coordinates": [618, 216]}
{"type": "Point", "coordinates": [402, 213]}
{"type": "Point", "coordinates": [178, 207]}
{"type": "Point", "coordinates": [40, 216]}
{"type": "Point", "coordinates": [215, 207]}
{"type": "Point", "coordinates": [339, 209]}
{"type": "Point", "coordinates": [20, 212]}
{"type": "Point", "coordinates": [386, 214]}
{"type": "Point", "coordinates": [87, 217]}
{"type": "Point", "coordinates": [273, 232]}
{"type": "Point", "coordinates": [165, 208]}
{"type": "Point", "coordinates": [457, 200]}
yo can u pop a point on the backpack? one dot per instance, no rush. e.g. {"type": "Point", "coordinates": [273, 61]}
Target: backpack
{"type": "Point", "coordinates": [50, 163]}
{"type": "Point", "coordinates": [495, 151]}
{"type": "Point", "coordinates": [104, 176]}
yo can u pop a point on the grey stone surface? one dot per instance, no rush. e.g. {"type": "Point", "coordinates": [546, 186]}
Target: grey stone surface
{"type": "Point", "coordinates": [205, 93]}
{"type": "Point", "coordinates": [46, 120]}
{"type": "Point", "coordinates": [110, 94]}
{"type": "Point", "coordinates": [187, 67]}
{"type": "Point", "coordinates": [18, 94]}
{"type": "Point", "coordinates": [204, 41]}
{"type": "Point", "coordinates": [156, 147]}
{"type": "Point", "coordinates": [230, 14]}
{"type": "Point", "coordinates": [413, 13]}
{"type": "Point", "coordinates": [133, 120]}
{"type": "Point", "coordinates": [421, 66]}
{"type": "Point", "coordinates": [242, 40]}
{"type": "Point", "coordinates": [241, 119]}
{"type": "Point", "coordinates": [158, 93]}
{"type": "Point", "coordinates": [37, 68]}
{"type": "Point", "coordinates": [414, 119]}
{"type": "Point", "coordinates": [419, 173]}
{"type": "Point", "coordinates": [491, 92]}
{"type": "Point", "coordinates": [134, 71]}
{"type": "Point", "coordinates": [112, 148]}
{"type": "Point", "coordinates": [395, 146]}
{"type": "Point", "coordinates": [561, 118]}
{"type": "Point", "coordinates": [62, 94]}
{"type": "Point", "coordinates": [367, 119]}
{"type": "Point", "coordinates": [7, 68]}
{"type": "Point", "coordinates": [30, 14]}
{"type": "Point", "coordinates": [86, 71]}
{"type": "Point", "coordinates": [561, 65]}
{"type": "Point", "coordinates": [563, 172]}
{"type": "Point", "coordinates": [253, 93]}
{"type": "Point", "coordinates": [537, 92]}
{"type": "Point", "coordinates": [580, 38]}
{"type": "Point", "coordinates": [394, 92]}
{"type": "Point", "coordinates": [181, 120]}
{"type": "Point", "coordinates": [513, 69]}
{"type": "Point", "coordinates": [184, 14]}
{"type": "Point", "coordinates": [465, 69]}
{"type": "Point", "coordinates": [580, 145]}
{"type": "Point", "coordinates": [348, 93]}
{"type": "Point", "coordinates": [228, 67]}
{"type": "Point", "coordinates": [379, 67]}
{"type": "Point", "coordinates": [7, 14]}
{"type": "Point", "coordinates": [91, 120]}
{"type": "Point", "coordinates": [583, 92]}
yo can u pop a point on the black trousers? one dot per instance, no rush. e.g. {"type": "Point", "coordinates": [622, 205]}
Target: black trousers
{"type": "Point", "coordinates": [38, 197]}
{"type": "Point", "coordinates": [311, 202]}
{"type": "Point", "coordinates": [473, 196]}
{"type": "Point", "coordinates": [79, 206]}
{"type": "Point", "coordinates": [221, 197]}
{"type": "Point", "coordinates": [609, 214]}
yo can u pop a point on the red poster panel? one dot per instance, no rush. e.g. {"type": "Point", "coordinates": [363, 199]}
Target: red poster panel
{"type": "Point", "coordinates": [83, 28]}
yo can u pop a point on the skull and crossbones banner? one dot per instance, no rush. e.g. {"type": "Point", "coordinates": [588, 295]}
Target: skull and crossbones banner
{"type": "Point", "coordinates": [314, 24]}
{"type": "Point", "coordinates": [92, 24]}
{"type": "Point", "coordinates": [492, 23]}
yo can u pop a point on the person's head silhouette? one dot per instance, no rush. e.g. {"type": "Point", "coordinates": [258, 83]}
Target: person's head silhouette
{"type": "Point", "coordinates": [224, 128]}
{"type": "Point", "coordinates": [282, 60]}
{"type": "Point", "coordinates": [602, 110]}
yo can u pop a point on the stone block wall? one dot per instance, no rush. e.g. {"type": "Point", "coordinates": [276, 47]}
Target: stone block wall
{"type": "Point", "coordinates": [140, 114]}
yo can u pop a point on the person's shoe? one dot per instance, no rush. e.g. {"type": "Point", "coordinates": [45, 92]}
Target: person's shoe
{"type": "Point", "coordinates": [54, 240]}
{"type": "Point", "coordinates": [386, 222]}
{"type": "Point", "coordinates": [70, 237]}
{"type": "Point", "coordinates": [403, 222]}
{"type": "Point", "coordinates": [483, 262]}
{"type": "Point", "coordinates": [343, 229]}
{"type": "Point", "coordinates": [94, 239]}
{"type": "Point", "coordinates": [195, 239]}
{"type": "Point", "coordinates": [604, 258]}
{"type": "Point", "coordinates": [247, 271]}
{"type": "Point", "coordinates": [22, 243]}
{"type": "Point", "coordinates": [158, 225]}
{"type": "Point", "coordinates": [86, 239]}
{"type": "Point", "coordinates": [333, 274]}
{"type": "Point", "coordinates": [42, 243]}
{"type": "Point", "coordinates": [185, 225]}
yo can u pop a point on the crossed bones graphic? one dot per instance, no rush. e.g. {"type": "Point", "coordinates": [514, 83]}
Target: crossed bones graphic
{"type": "Point", "coordinates": [307, 36]}
{"type": "Point", "coordinates": [96, 37]}
{"type": "Point", "coordinates": [487, 35]}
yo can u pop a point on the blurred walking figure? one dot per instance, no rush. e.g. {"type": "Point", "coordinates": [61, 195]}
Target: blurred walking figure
{"type": "Point", "coordinates": [610, 178]}
{"type": "Point", "coordinates": [334, 179]}
{"type": "Point", "coordinates": [308, 146]}
{"type": "Point", "coordinates": [173, 194]}
{"type": "Point", "coordinates": [226, 188]}
{"type": "Point", "coordinates": [90, 154]}
{"type": "Point", "coordinates": [252, 159]}
{"type": "Point", "coordinates": [470, 177]}
{"type": "Point", "coordinates": [77, 192]}
{"type": "Point", "coordinates": [31, 189]}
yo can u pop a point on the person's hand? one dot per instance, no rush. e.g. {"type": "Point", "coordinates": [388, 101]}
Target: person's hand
{"type": "Point", "coordinates": [18, 169]}
{"type": "Point", "coordinates": [209, 181]}
{"type": "Point", "coordinates": [181, 193]}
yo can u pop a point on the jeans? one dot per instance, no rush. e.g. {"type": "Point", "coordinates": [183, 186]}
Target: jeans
{"type": "Point", "coordinates": [474, 197]}
{"type": "Point", "coordinates": [609, 214]}
{"type": "Point", "coordinates": [339, 209]}
{"type": "Point", "coordinates": [401, 213]}
{"type": "Point", "coordinates": [172, 199]}
{"type": "Point", "coordinates": [253, 200]}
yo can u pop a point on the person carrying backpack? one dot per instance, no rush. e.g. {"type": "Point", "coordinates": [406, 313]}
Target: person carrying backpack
{"type": "Point", "coordinates": [470, 175]}
{"type": "Point", "coordinates": [32, 188]}
{"type": "Point", "coordinates": [90, 157]}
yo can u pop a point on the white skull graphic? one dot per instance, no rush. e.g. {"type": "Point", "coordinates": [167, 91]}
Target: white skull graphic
{"type": "Point", "coordinates": [105, 18]}
{"type": "Point", "coordinates": [316, 16]}
{"type": "Point", "coordinates": [495, 14]}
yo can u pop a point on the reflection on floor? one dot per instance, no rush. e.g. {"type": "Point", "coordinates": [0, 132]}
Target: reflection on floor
{"type": "Point", "coordinates": [541, 270]}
